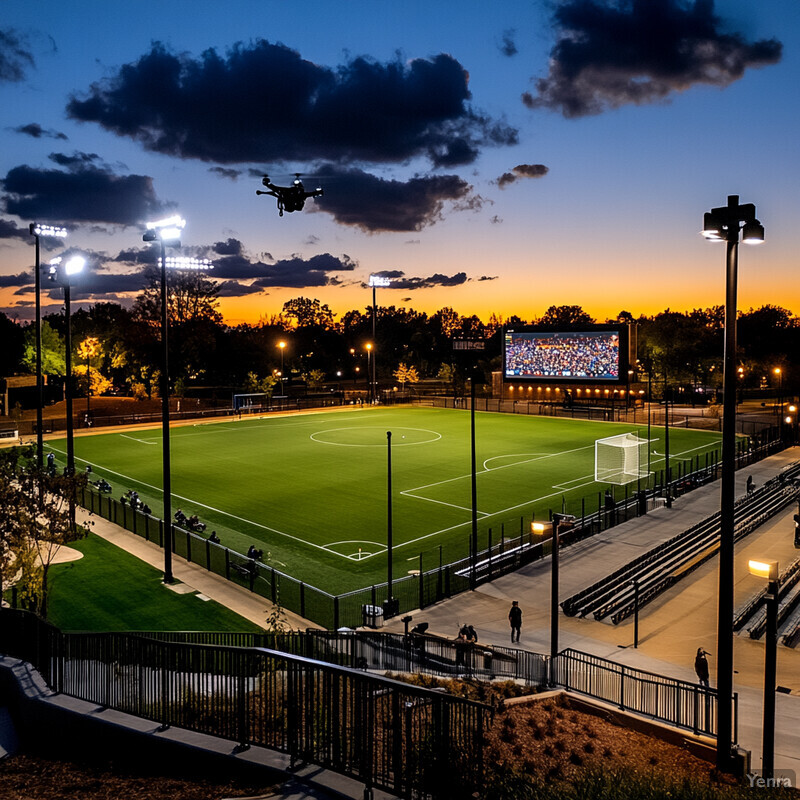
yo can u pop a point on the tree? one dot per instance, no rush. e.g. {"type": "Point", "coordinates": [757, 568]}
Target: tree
{"type": "Point", "coordinates": [35, 520]}
{"type": "Point", "coordinates": [405, 374]}
{"type": "Point", "coordinates": [53, 356]}
{"type": "Point", "coordinates": [566, 317]}
{"type": "Point", "coordinates": [308, 313]}
{"type": "Point", "coordinates": [315, 378]}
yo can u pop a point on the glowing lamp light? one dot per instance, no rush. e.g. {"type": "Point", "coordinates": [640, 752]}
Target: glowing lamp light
{"type": "Point", "coordinates": [379, 280]}
{"type": "Point", "coordinates": [167, 223]}
{"type": "Point", "coordinates": [763, 569]}
{"type": "Point", "coordinates": [753, 232]}
{"type": "Point", "coordinates": [538, 528]}
{"type": "Point", "coordinates": [187, 262]}
{"type": "Point", "coordinates": [788, 420]}
{"type": "Point", "coordinates": [47, 230]}
{"type": "Point", "coordinates": [74, 265]}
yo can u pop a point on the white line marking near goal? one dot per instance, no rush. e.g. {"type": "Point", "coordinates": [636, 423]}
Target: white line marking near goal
{"type": "Point", "coordinates": [132, 438]}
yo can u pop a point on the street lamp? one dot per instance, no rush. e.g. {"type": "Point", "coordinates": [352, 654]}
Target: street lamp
{"type": "Point", "coordinates": [769, 570]}
{"type": "Point", "coordinates": [375, 281]}
{"type": "Point", "coordinates": [62, 272]}
{"type": "Point", "coordinates": [37, 230]}
{"type": "Point", "coordinates": [282, 346]}
{"type": "Point", "coordinates": [168, 232]}
{"type": "Point", "coordinates": [370, 372]}
{"type": "Point", "coordinates": [723, 225]}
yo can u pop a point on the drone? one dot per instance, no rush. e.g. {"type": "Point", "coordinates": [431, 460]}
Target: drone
{"type": "Point", "coordinates": [290, 198]}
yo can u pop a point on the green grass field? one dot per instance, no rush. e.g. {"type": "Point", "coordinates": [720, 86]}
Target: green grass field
{"type": "Point", "coordinates": [311, 489]}
{"type": "Point", "coordinates": [111, 590]}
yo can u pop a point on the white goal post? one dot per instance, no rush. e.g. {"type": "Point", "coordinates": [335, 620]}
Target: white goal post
{"type": "Point", "coordinates": [251, 402]}
{"type": "Point", "coordinates": [620, 459]}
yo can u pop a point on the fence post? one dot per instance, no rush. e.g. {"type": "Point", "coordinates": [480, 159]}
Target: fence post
{"type": "Point", "coordinates": [696, 714]}
{"type": "Point", "coordinates": [622, 688]}
{"type": "Point", "coordinates": [336, 612]}
{"type": "Point", "coordinates": [208, 555]}
{"type": "Point", "coordinates": [302, 599]}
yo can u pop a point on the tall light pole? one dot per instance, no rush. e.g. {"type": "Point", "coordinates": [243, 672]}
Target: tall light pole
{"type": "Point", "coordinates": [769, 570]}
{"type": "Point", "coordinates": [473, 547]}
{"type": "Point", "coordinates": [779, 415]}
{"type": "Point", "coordinates": [37, 230]}
{"type": "Point", "coordinates": [370, 373]}
{"type": "Point", "coordinates": [390, 604]}
{"type": "Point", "coordinates": [375, 281]}
{"type": "Point", "coordinates": [168, 232]}
{"type": "Point", "coordinates": [63, 273]}
{"type": "Point", "coordinates": [560, 521]}
{"type": "Point", "coordinates": [723, 224]}
{"type": "Point", "coordinates": [282, 346]}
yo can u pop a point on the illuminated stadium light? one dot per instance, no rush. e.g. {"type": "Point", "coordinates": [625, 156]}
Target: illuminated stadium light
{"type": "Point", "coordinates": [48, 230]}
{"type": "Point", "coordinates": [188, 262]}
{"type": "Point", "coordinates": [74, 265]}
{"type": "Point", "coordinates": [379, 280]}
{"type": "Point", "coordinates": [175, 221]}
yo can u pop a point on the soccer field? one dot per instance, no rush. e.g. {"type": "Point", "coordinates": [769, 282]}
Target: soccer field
{"type": "Point", "coordinates": [311, 489]}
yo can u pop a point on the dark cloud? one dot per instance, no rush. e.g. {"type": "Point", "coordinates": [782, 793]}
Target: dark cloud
{"type": "Point", "coordinates": [86, 191]}
{"type": "Point", "coordinates": [15, 56]}
{"type": "Point", "coordinates": [610, 54]}
{"type": "Point", "coordinates": [488, 278]}
{"type": "Point", "coordinates": [379, 204]}
{"type": "Point", "coordinates": [495, 220]}
{"type": "Point", "coordinates": [20, 279]}
{"type": "Point", "coordinates": [230, 247]}
{"type": "Point", "coordinates": [508, 45]}
{"type": "Point", "coordinates": [294, 273]}
{"type": "Point", "coordinates": [9, 230]}
{"type": "Point", "coordinates": [236, 289]}
{"type": "Point", "coordinates": [263, 102]}
{"type": "Point", "coordinates": [226, 172]}
{"type": "Point", "coordinates": [522, 171]}
{"type": "Point", "coordinates": [36, 131]}
{"type": "Point", "coordinates": [400, 281]}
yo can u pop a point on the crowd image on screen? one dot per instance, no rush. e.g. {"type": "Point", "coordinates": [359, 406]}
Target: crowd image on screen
{"type": "Point", "coordinates": [579, 355]}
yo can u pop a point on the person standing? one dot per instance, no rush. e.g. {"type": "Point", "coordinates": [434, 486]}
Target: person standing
{"type": "Point", "coordinates": [701, 667]}
{"type": "Point", "coordinates": [515, 620]}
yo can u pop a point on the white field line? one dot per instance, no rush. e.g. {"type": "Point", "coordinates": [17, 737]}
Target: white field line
{"type": "Point", "coordinates": [212, 508]}
{"type": "Point", "coordinates": [132, 438]}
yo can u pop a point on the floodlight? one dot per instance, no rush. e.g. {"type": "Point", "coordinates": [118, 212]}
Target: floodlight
{"type": "Point", "coordinates": [753, 232]}
{"type": "Point", "coordinates": [712, 227]}
{"type": "Point", "coordinates": [74, 265]}
{"type": "Point", "coordinates": [763, 569]}
{"type": "Point", "coordinates": [47, 230]}
{"type": "Point", "coordinates": [379, 280]}
{"type": "Point", "coordinates": [174, 221]}
{"type": "Point", "coordinates": [537, 528]}
{"type": "Point", "coordinates": [188, 262]}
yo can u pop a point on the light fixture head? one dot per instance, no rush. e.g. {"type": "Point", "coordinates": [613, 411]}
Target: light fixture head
{"type": "Point", "coordinates": [37, 229]}
{"type": "Point", "coordinates": [763, 569]}
{"type": "Point", "coordinates": [74, 265]}
{"type": "Point", "coordinates": [753, 232]}
{"type": "Point", "coordinates": [379, 280]}
{"type": "Point", "coordinates": [174, 221]}
{"type": "Point", "coordinates": [187, 262]}
{"type": "Point", "coordinates": [713, 228]}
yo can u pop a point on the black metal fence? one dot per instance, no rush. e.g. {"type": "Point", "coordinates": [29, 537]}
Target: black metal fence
{"type": "Point", "coordinates": [386, 733]}
{"type": "Point", "coordinates": [258, 688]}
{"type": "Point", "coordinates": [680, 703]}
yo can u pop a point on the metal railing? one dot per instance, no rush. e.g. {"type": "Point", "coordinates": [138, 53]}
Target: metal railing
{"type": "Point", "coordinates": [676, 702]}
{"type": "Point", "coordinates": [173, 677]}
{"type": "Point", "coordinates": [388, 734]}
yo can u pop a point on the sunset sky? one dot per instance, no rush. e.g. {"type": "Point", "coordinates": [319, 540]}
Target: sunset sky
{"type": "Point", "coordinates": [492, 157]}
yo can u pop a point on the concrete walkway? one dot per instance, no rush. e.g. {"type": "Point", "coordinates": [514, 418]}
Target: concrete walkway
{"type": "Point", "coordinates": [671, 628]}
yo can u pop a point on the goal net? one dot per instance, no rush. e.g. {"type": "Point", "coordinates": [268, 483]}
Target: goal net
{"type": "Point", "coordinates": [250, 403]}
{"type": "Point", "coordinates": [620, 459]}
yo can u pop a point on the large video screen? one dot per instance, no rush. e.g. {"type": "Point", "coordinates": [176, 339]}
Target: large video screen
{"type": "Point", "coordinates": [598, 355]}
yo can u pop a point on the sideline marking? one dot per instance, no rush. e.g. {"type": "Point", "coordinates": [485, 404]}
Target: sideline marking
{"type": "Point", "coordinates": [132, 438]}
{"type": "Point", "coordinates": [211, 508]}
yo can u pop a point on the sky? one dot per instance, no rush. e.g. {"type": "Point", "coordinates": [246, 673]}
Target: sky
{"type": "Point", "coordinates": [493, 158]}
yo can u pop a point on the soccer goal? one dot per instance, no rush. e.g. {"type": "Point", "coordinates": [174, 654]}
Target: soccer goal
{"type": "Point", "coordinates": [620, 459]}
{"type": "Point", "coordinates": [250, 403]}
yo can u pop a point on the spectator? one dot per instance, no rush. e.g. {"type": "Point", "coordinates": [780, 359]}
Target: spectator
{"type": "Point", "coordinates": [701, 667]}
{"type": "Point", "coordinates": [515, 619]}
